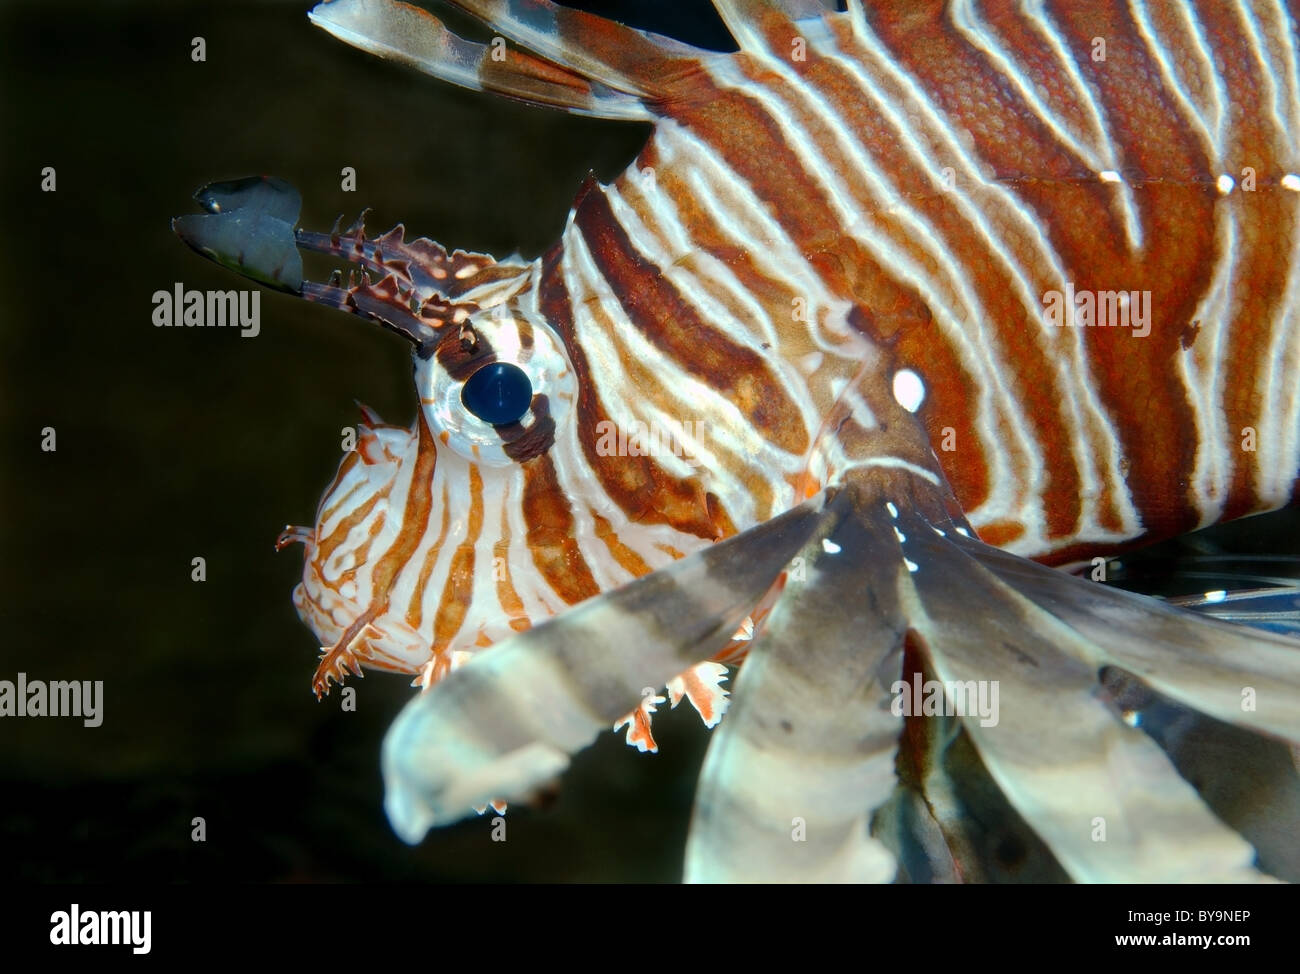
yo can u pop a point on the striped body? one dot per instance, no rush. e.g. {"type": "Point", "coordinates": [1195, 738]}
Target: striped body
{"type": "Point", "coordinates": [844, 200]}
{"type": "Point", "coordinates": [896, 307]}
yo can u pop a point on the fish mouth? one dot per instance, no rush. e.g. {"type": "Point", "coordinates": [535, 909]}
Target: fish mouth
{"type": "Point", "coordinates": [363, 630]}
{"type": "Point", "coordinates": [366, 574]}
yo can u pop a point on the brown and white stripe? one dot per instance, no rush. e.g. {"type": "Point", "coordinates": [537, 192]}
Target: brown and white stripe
{"type": "Point", "coordinates": [833, 260]}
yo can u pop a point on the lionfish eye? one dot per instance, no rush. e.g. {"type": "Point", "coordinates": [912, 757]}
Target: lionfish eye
{"type": "Point", "coordinates": [499, 393]}
{"type": "Point", "coordinates": [472, 398]}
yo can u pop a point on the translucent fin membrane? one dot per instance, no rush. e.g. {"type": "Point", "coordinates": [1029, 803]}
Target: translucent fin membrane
{"type": "Point", "coordinates": [505, 724]}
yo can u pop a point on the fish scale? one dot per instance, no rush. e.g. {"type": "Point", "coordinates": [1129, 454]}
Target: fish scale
{"type": "Point", "coordinates": [949, 292]}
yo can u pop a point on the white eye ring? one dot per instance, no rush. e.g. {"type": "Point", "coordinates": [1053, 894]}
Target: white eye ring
{"type": "Point", "coordinates": [541, 358]}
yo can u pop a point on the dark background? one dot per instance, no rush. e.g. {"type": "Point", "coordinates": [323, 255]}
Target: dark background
{"type": "Point", "coordinates": [177, 443]}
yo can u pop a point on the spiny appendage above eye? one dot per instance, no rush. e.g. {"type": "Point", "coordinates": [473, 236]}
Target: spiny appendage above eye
{"type": "Point", "coordinates": [422, 290]}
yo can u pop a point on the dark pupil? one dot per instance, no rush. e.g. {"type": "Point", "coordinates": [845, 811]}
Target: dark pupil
{"type": "Point", "coordinates": [498, 393]}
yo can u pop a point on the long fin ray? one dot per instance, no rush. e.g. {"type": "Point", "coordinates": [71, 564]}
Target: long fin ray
{"type": "Point", "coordinates": [808, 746]}
{"type": "Point", "coordinates": [1243, 676]}
{"type": "Point", "coordinates": [409, 35]}
{"type": "Point", "coordinates": [1274, 610]}
{"type": "Point", "coordinates": [1102, 795]}
{"type": "Point", "coordinates": [505, 724]}
{"type": "Point", "coordinates": [622, 57]}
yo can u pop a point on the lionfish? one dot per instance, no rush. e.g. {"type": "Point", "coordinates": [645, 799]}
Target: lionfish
{"type": "Point", "coordinates": [899, 308]}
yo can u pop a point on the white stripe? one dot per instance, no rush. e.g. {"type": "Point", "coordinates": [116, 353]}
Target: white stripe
{"type": "Point", "coordinates": [691, 398]}
{"type": "Point", "coordinates": [1279, 429]}
{"type": "Point", "coordinates": [1200, 368]}
{"type": "Point", "coordinates": [1265, 66]}
{"type": "Point", "coordinates": [1101, 156]}
{"type": "Point", "coordinates": [1010, 493]}
{"type": "Point", "coordinates": [1093, 437]}
{"type": "Point", "coordinates": [1192, 115]}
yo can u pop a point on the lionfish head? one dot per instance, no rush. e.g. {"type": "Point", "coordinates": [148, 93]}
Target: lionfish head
{"type": "Point", "coordinates": [421, 554]}
{"type": "Point", "coordinates": [498, 507]}
{"type": "Point", "coordinates": [480, 520]}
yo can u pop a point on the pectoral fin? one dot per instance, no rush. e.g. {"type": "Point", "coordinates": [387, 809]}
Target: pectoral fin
{"type": "Point", "coordinates": [505, 724]}
{"type": "Point", "coordinates": [1103, 796]}
{"type": "Point", "coordinates": [806, 753]}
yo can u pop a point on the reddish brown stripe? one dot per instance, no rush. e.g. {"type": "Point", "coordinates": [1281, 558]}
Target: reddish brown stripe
{"type": "Point", "coordinates": [625, 556]}
{"type": "Point", "coordinates": [415, 611]}
{"type": "Point", "coordinates": [1157, 427]}
{"type": "Point", "coordinates": [643, 489]}
{"type": "Point", "coordinates": [415, 517]}
{"type": "Point", "coordinates": [462, 358]}
{"type": "Point", "coordinates": [1262, 265]}
{"type": "Point", "coordinates": [458, 590]}
{"type": "Point", "coordinates": [322, 513]}
{"type": "Point", "coordinates": [753, 145]}
{"type": "Point", "coordinates": [550, 534]}
{"type": "Point", "coordinates": [1173, 193]}
{"type": "Point", "coordinates": [523, 443]}
{"type": "Point", "coordinates": [673, 325]}
{"type": "Point", "coordinates": [627, 51]}
{"type": "Point", "coordinates": [330, 543]}
{"type": "Point", "coordinates": [890, 305]}
{"type": "Point", "coordinates": [361, 554]}
{"type": "Point", "coordinates": [1001, 533]}
{"type": "Point", "coordinates": [777, 296]}
{"type": "Point", "coordinates": [526, 339]}
{"type": "Point", "coordinates": [506, 594]}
